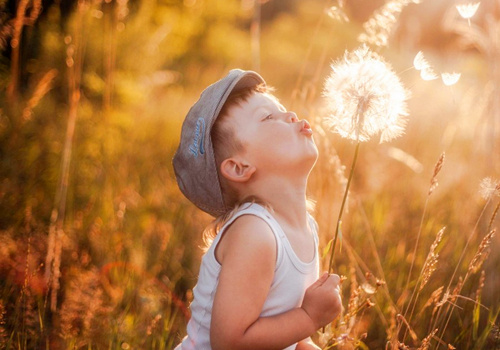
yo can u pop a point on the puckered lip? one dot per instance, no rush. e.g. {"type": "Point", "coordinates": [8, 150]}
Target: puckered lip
{"type": "Point", "coordinates": [306, 127]}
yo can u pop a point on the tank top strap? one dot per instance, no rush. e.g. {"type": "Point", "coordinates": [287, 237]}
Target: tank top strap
{"type": "Point", "coordinates": [261, 212]}
{"type": "Point", "coordinates": [314, 227]}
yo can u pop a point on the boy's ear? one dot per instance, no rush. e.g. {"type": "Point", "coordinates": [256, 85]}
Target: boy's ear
{"type": "Point", "coordinates": [237, 170]}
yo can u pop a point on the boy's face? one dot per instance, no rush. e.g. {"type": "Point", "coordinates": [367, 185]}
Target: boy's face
{"type": "Point", "coordinates": [274, 140]}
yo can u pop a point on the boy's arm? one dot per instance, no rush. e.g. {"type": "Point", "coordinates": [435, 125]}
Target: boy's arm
{"type": "Point", "coordinates": [247, 254]}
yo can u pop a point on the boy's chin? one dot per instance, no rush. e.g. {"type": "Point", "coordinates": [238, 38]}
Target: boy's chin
{"type": "Point", "coordinates": [309, 161]}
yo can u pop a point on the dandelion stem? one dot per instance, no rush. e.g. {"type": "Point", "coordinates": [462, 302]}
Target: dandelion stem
{"type": "Point", "coordinates": [339, 220]}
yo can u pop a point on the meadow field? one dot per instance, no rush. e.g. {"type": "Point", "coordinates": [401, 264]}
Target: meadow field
{"type": "Point", "coordinates": [100, 250]}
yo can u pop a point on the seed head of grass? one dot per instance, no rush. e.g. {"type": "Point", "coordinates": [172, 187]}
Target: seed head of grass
{"type": "Point", "coordinates": [437, 169]}
{"type": "Point", "coordinates": [434, 298]}
{"type": "Point", "coordinates": [427, 340]}
{"type": "Point", "coordinates": [430, 264]}
{"type": "Point", "coordinates": [480, 286]}
{"type": "Point", "coordinates": [456, 291]}
{"type": "Point", "coordinates": [482, 253]}
{"type": "Point", "coordinates": [364, 97]}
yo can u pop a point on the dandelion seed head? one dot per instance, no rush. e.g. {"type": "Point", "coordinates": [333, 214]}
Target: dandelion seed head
{"type": "Point", "coordinates": [467, 11]}
{"type": "Point", "coordinates": [419, 62]}
{"type": "Point", "coordinates": [450, 78]}
{"type": "Point", "coordinates": [427, 73]}
{"type": "Point", "coordinates": [364, 97]}
{"type": "Point", "coordinates": [489, 188]}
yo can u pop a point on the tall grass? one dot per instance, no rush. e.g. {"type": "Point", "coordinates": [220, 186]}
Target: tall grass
{"type": "Point", "coordinates": [98, 248]}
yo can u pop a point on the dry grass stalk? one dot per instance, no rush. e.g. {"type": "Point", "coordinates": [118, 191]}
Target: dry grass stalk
{"type": "Point", "coordinates": [493, 216]}
{"type": "Point", "coordinates": [437, 300]}
{"type": "Point", "coordinates": [402, 319]}
{"type": "Point", "coordinates": [74, 61]}
{"type": "Point", "coordinates": [5, 34]}
{"type": "Point", "coordinates": [477, 260]}
{"type": "Point", "coordinates": [41, 89]}
{"type": "Point", "coordinates": [431, 261]}
{"type": "Point", "coordinates": [434, 298]}
{"type": "Point", "coordinates": [3, 332]}
{"type": "Point", "coordinates": [402, 346]}
{"type": "Point", "coordinates": [494, 337]}
{"type": "Point", "coordinates": [352, 305]}
{"type": "Point", "coordinates": [30, 315]}
{"type": "Point", "coordinates": [154, 325]}
{"type": "Point", "coordinates": [56, 269]}
{"type": "Point", "coordinates": [437, 169]}
{"type": "Point", "coordinates": [456, 291]}
{"type": "Point", "coordinates": [391, 330]}
{"type": "Point", "coordinates": [480, 286]}
{"type": "Point", "coordinates": [379, 27]}
{"type": "Point", "coordinates": [434, 183]}
{"type": "Point", "coordinates": [18, 23]}
{"type": "Point", "coordinates": [428, 269]}
{"type": "Point", "coordinates": [482, 253]}
{"type": "Point", "coordinates": [83, 313]}
{"type": "Point", "coordinates": [427, 340]}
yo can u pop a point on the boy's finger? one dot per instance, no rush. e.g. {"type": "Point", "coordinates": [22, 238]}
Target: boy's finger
{"type": "Point", "coordinates": [322, 279]}
{"type": "Point", "coordinates": [334, 279]}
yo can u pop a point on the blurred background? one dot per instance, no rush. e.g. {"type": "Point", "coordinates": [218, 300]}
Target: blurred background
{"type": "Point", "coordinates": [98, 247]}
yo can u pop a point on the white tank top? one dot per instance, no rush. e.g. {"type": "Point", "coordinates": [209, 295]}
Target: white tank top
{"type": "Point", "coordinates": [291, 279]}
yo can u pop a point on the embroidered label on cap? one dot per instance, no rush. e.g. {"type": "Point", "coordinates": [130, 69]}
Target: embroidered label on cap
{"type": "Point", "coordinates": [197, 146]}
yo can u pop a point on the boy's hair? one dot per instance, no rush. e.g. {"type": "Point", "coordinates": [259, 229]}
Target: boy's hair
{"type": "Point", "coordinates": [224, 139]}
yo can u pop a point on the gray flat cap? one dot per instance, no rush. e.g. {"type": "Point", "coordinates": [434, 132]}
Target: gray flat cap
{"type": "Point", "coordinates": [194, 162]}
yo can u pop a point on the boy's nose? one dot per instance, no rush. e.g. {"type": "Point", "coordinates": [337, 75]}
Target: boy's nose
{"type": "Point", "coordinates": [292, 117]}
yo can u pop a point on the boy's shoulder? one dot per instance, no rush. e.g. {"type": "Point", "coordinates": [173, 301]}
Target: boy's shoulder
{"type": "Point", "coordinates": [250, 233]}
{"type": "Point", "coordinates": [250, 227]}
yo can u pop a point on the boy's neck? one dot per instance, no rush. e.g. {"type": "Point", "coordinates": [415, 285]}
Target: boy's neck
{"type": "Point", "coordinates": [287, 198]}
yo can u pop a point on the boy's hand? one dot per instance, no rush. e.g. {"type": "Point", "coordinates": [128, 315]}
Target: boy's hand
{"type": "Point", "coordinates": [322, 300]}
{"type": "Point", "coordinates": [306, 344]}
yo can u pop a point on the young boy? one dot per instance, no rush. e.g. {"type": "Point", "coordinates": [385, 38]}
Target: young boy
{"type": "Point", "coordinates": [245, 160]}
